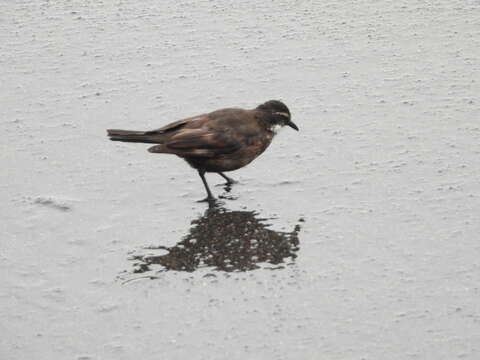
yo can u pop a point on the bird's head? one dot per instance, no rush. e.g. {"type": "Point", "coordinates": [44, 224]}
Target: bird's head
{"type": "Point", "coordinates": [278, 113]}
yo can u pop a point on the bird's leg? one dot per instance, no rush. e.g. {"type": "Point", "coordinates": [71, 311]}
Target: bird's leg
{"type": "Point", "coordinates": [230, 181]}
{"type": "Point", "coordinates": [209, 193]}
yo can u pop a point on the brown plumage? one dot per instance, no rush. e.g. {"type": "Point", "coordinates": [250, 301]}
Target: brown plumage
{"type": "Point", "coordinates": [223, 140]}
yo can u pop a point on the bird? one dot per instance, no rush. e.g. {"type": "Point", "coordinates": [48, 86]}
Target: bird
{"type": "Point", "coordinates": [216, 142]}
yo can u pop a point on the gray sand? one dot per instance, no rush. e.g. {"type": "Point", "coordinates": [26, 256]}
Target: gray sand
{"type": "Point", "coordinates": [384, 172]}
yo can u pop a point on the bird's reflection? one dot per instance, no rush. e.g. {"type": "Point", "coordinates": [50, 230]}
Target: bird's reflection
{"type": "Point", "coordinates": [225, 240]}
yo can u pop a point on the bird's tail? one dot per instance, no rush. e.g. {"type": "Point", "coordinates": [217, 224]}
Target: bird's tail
{"type": "Point", "coordinates": [133, 136]}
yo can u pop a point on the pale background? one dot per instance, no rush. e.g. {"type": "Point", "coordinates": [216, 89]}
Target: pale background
{"type": "Point", "coordinates": [385, 171]}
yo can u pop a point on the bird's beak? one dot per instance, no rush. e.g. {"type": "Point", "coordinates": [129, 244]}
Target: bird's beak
{"type": "Point", "coordinates": [292, 125]}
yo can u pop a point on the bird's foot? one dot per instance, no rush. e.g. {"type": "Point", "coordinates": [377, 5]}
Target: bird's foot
{"type": "Point", "coordinates": [228, 197]}
{"type": "Point", "coordinates": [228, 183]}
{"type": "Point", "coordinates": [231, 182]}
{"type": "Point", "coordinates": [208, 199]}
{"type": "Point", "coordinates": [212, 202]}
{"type": "Point", "coordinates": [226, 186]}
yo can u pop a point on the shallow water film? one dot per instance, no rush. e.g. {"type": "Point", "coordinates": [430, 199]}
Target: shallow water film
{"type": "Point", "coordinates": [355, 238]}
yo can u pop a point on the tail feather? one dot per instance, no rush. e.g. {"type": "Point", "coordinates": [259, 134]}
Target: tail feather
{"type": "Point", "coordinates": [133, 136]}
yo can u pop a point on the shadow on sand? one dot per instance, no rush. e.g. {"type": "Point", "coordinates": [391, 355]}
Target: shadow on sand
{"type": "Point", "coordinates": [225, 240]}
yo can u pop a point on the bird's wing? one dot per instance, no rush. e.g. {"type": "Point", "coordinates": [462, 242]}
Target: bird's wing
{"type": "Point", "coordinates": [193, 122]}
{"type": "Point", "coordinates": [201, 142]}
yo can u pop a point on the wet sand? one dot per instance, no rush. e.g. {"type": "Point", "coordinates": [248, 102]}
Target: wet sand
{"type": "Point", "coordinates": [355, 238]}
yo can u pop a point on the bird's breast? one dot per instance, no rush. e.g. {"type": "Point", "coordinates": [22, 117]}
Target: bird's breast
{"type": "Point", "coordinates": [251, 149]}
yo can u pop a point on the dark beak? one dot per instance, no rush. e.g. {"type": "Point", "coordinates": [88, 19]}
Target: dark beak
{"type": "Point", "coordinates": [292, 125]}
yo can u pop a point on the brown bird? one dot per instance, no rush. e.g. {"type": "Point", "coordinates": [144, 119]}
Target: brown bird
{"type": "Point", "coordinates": [220, 141]}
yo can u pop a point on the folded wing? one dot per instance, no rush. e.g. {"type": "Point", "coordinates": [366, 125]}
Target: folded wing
{"type": "Point", "coordinates": [193, 122]}
{"type": "Point", "coordinates": [201, 142]}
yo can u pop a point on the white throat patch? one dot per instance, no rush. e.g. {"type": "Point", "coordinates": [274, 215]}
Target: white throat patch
{"type": "Point", "coordinates": [276, 128]}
